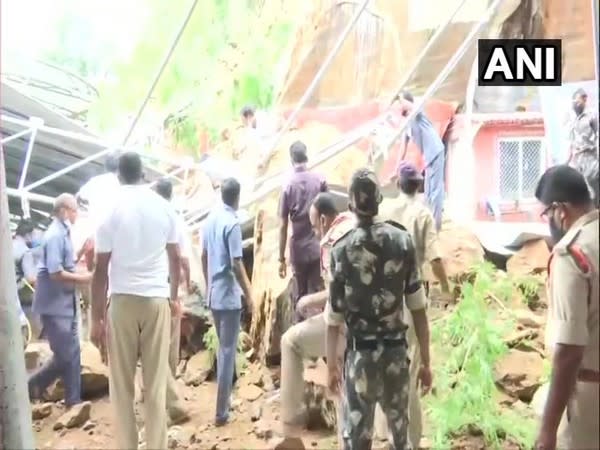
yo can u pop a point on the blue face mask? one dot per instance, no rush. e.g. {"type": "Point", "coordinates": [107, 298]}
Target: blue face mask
{"type": "Point", "coordinates": [35, 243]}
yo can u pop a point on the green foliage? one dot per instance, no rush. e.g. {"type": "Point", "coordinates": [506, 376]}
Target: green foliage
{"type": "Point", "coordinates": [226, 58]}
{"type": "Point", "coordinates": [471, 340]}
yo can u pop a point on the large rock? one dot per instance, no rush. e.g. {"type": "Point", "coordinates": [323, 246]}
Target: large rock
{"type": "Point", "coordinates": [194, 325]}
{"type": "Point", "coordinates": [36, 354]}
{"type": "Point", "coordinates": [320, 406]}
{"type": "Point", "coordinates": [531, 258]}
{"type": "Point", "coordinates": [94, 375]}
{"type": "Point", "coordinates": [199, 368]}
{"type": "Point", "coordinates": [74, 417]}
{"type": "Point", "coordinates": [519, 374]}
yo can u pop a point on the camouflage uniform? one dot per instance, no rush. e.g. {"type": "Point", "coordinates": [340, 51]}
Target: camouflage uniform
{"type": "Point", "coordinates": [584, 148]}
{"type": "Point", "coordinates": [374, 270]}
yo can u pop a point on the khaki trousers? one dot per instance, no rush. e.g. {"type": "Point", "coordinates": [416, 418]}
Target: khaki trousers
{"type": "Point", "coordinates": [308, 340]}
{"type": "Point", "coordinates": [139, 327]}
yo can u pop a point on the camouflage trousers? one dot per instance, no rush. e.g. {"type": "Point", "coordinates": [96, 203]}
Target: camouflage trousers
{"type": "Point", "coordinates": [586, 163]}
{"type": "Point", "coordinates": [371, 377]}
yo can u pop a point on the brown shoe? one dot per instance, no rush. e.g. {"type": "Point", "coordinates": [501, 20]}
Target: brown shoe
{"type": "Point", "coordinates": [178, 416]}
{"type": "Point", "coordinates": [290, 443]}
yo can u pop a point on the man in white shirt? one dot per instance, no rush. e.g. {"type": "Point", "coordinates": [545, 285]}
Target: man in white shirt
{"type": "Point", "coordinates": [131, 264]}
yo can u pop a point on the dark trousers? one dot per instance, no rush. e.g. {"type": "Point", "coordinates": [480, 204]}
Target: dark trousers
{"type": "Point", "coordinates": [65, 363]}
{"type": "Point", "coordinates": [307, 280]}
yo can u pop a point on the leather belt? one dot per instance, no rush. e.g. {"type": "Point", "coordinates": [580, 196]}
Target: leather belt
{"type": "Point", "coordinates": [372, 344]}
{"type": "Point", "coordinates": [588, 376]}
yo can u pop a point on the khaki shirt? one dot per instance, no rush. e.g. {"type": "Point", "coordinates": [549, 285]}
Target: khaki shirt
{"type": "Point", "coordinates": [412, 213]}
{"type": "Point", "coordinates": [573, 304]}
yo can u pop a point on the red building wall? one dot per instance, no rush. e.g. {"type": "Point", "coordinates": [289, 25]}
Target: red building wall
{"type": "Point", "coordinates": [488, 170]}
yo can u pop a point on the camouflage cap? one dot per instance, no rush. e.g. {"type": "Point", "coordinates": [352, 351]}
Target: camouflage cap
{"type": "Point", "coordinates": [364, 193]}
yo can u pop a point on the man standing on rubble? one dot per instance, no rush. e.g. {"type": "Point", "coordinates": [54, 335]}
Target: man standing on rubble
{"type": "Point", "coordinates": [226, 280]}
{"type": "Point", "coordinates": [583, 154]}
{"type": "Point", "coordinates": [296, 199]}
{"type": "Point", "coordinates": [424, 135]}
{"type": "Point", "coordinates": [55, 303]}
{"type": "Point", "coordinates": [307, 339]}
{"type": "Point", "coordinates": [131, 263]}
{"type": "Point", "coordinates": [570, 417]}
{"type": "Point", "coordinates": [374, 272]}
{"type": "Point", "coordinates": [414, 215]}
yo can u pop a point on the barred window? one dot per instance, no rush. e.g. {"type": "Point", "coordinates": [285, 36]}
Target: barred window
{"type": "Point", "coordinates": [520, 167]}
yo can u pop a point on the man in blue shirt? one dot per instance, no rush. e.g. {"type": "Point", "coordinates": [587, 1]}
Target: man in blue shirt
{"type": "Point", "coordinates": [54, 302]}
{"type": "Point", "coordinates": [426, 138]}
{"type": "Point", "coordinates": [226, 281]}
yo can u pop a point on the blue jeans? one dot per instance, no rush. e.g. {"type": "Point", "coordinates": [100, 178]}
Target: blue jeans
{"type": "Point", "coordinates": [65, 363]}
{"type": "Point", "coordinates": [435, 188]}
{"type": "Point", "coordinates": [227, 326]}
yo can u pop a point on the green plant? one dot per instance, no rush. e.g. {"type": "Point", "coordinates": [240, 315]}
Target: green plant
{"type": "Point", "coordinates": [211, 342]}
{"type": "Point", "coordinates": [471, 340]}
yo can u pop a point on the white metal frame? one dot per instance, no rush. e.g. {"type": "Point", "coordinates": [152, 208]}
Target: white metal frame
{"type": "Point", "coordinates": [520, 140]}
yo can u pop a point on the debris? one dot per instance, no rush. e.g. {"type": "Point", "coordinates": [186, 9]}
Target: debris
{"type": "Point", "coordinates": [89, 425]}
{"type": "Point", "coordinates": [531, 258]}
{"type": "Point", "coordinates": [76, 416]}
{"type": "Point", "coordinates": [36, 354]}
{"type": "Point", "coordinates": [194, 325]}
{"type": "Point", "coordinates": [320, 408]}
{"type": "Point", "coordinates": [174, 436]}
{"type": "Point", "coordinates": [462, 251]}
{"type": "Point", "coordinates": [198, 369]}
{"type": "Point", "coordinates": [516, 338]}
{"type": "Point", "coordinates": [41, 411]}
{"type": "Point", "coordinates": [528, 319]}
{"type": "Point", "coordinates": [249, 392]}
{"type": "Point", "coordinates": [263, 430]}
{"type": "Point", "coordinates": [519, 374]}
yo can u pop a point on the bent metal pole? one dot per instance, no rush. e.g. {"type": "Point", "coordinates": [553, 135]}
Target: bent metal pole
{"type": "Point", "coordinates": [15, 418]}
{"type": "Point", "coordinates": [317, 79]}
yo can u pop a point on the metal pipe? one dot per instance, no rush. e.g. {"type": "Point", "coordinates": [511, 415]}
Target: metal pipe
{"type": "Point", "coordinates": [160, 72]}
{"type": "Point", "coordinates": [317, 79]}
{"type": "Point", "coordinates": [438, 32]}
{"type": "Point", "coordinates": [18, 135]}
{"type": "Point", "coordinates": [68, 169]}
{"type": "Point", "coordinates": [25, 167]}
{"type": "Point", "coordinates": [30, 196]}
{"type": "Point", "coordinates": [448, 68]}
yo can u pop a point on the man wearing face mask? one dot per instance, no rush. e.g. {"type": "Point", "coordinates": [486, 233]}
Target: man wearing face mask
{"type": "Point", "coordinates": [584, 143]}
{"type": "Point", "coordinates": [570, 417]}
{"type": "Point", "coordinates": [55, 303]}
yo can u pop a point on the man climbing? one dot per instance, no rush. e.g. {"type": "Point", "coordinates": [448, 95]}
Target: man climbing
{"type": "Point", "coordinates": [296, 198]}
{"type": "Point", "coordinates": [307, 339]}
{"type": "Point", "coordinates": [261, 130]}
{"type": "Point", "coordinates": [584, 143]}
{"type": "Point", "coordinates": [414, 215]}
{"type": "Point", "coordinates": [374, 272]}
{"type": "Point", "coordinates": [426, 138]}
{"type": "Point", "coordinates": [570, 417]}
{"type": "Point", "coordinates": [226, 281]}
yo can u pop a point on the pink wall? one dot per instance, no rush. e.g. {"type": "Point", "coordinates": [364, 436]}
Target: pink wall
{"type": "Point", "coordinates": [487, 179]}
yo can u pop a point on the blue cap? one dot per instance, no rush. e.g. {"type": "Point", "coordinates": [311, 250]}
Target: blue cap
{"type": "Point", "coordinates": [408, 171]}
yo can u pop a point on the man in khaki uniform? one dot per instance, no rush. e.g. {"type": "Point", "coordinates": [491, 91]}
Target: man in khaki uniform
{"type": "Point", "coordinates": [570, 417]}
{"type": "Point", "coordinates": [307, 339]}
{"type": "Point", "coordinates": [408, 210]}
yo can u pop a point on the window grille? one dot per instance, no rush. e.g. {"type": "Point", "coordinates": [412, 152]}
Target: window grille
{"type": "Point", "coordinates": [520, 167]}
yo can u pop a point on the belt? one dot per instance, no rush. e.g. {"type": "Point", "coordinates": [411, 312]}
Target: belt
{"type": "Point", "coordinates": [588, 376]}
{"type": "Point", "coordinates": [372, 344]}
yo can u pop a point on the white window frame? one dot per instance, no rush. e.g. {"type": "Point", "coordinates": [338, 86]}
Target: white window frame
{"type": "Point", "coordinates": [520, 139]}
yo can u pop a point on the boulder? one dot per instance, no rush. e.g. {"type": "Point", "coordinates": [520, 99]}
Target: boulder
{"type": "Point", "coordinates": [249, 392]}
{"type": "Point", "coordinates": [531, 258]}
{"type": "Point", "coordinates": [195, 322]}
{"type": "Point", "coordinates": [519, 374]}
{"type": "Point", "coordinates": [199, 368]}
{"type": "Point", "coordinates": [74, 417]}
{"type": "Point", "coordinates": [94, 373]}
{"type": "Point", "coordinates": [36, 354]}
{"type": "Point", "coordinates": [320, 407]}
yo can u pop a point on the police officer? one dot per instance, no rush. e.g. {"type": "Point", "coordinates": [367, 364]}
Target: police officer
{"type": "Point", "coordinates": [410, 211]}
{"type": "Point", "coordinates": [374, 272]}
{"type": "Point", "coordinates": [570, 418]}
